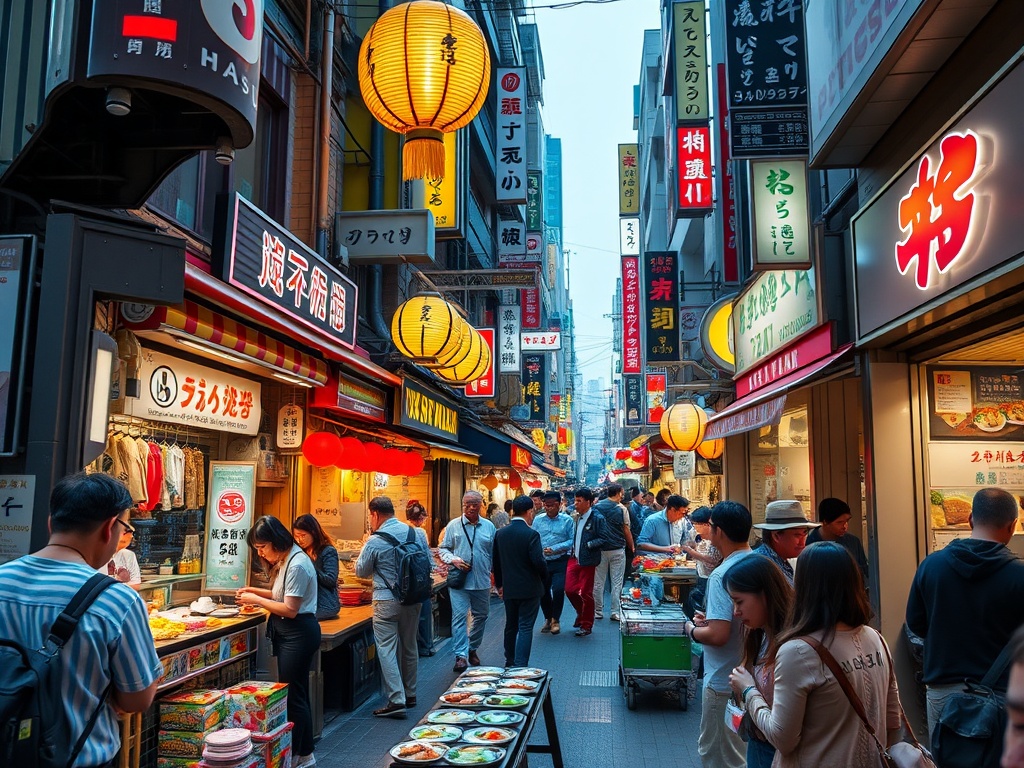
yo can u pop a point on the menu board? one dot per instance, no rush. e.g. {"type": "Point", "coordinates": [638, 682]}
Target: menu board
{"type": "Point", "coordinates": [976, 403]}
{"type": "Point", "coordinates": [230, 495]}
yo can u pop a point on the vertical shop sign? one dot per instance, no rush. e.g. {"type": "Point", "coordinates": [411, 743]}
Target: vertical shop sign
{"type": "Point", "coordinates": [693, 144]}
{"type": "Point", "coordinates": [634, 387]}
{"type": "Point", "coordinates": [554, 407]}
{"type": "Point", "coordinates": [551, 264]}
{"type": "Point", "coordinates": [484, 385]}
{"type": "Point", "coordinates": [690, 22]}
{"type": "Point", "coordinates": [232, 488]}
{"type": "Point", "coordinates": [767, 73]}
{"type": "Point", "coordinates": [780, 214]}
{"type": "Point", "coordinates": [530, 300]}
{"type": "Point", "coordinates": [655, 397]}
{"type": "Point", "coordinates": [563, 440]}
{"type": "Point", "coordinates": [632, 356]}
{"type": "Point", "coordinates": [629, 236]}
{"type": "Point", "coordinates": [17, 499]}
{"type": "Point", "coordinates": [533, 382]}
{"type": "Point", "coordinates": [290, 430]}
{"type": "Point", "coordinates": [444, 197]}
{"type": "Point", "coordinates": [510, 157]}
{"type": "Point", "coordinates": [730, 252]}
{"type": "Point", "coordinates": [509, 330]}
{"type": "Point", "coordinates": [17, 261]}
{"type": "Point", "coordinates": [661, 292]}
{"type": "Point", "coordinates": [534, 247]}
{"type": "Point", "coordinates": [534, 198]}
{"type": "Point", "coordinates": [511, 243]}
{"type": "Point", "coordinates": [629, 198]}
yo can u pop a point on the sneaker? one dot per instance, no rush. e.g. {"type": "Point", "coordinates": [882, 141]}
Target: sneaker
{"type": "Point", "coordinates": [391, 710]}
{"type": "Point", "coordinates": [615, 617]}
{"type": "Point", "coordinates": [555, 628]}
{"type": "Point", "coordinates": [582, 632]}
{"type": "Point", "coordinates": [461, 665]}
{"type": "Point", "coordinates": [546, 628]}
{"type": "Point", "coordinates": [598, 615]}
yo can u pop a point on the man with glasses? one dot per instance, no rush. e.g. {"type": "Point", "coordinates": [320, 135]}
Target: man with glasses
{"type": "Point", "coordinates": [124, 566]}
{"type": "Point", "coordinates": [467, 545]}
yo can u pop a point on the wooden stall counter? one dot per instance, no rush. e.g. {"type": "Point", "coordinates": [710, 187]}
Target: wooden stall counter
{"type": "Point", "coordinates": [350, 622]}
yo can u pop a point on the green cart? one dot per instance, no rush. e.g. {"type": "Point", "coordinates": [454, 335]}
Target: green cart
{"type": "Point", "coordinates": [654, 651]}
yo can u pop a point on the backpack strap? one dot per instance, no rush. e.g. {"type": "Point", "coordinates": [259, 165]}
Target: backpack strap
{"type": "Point", "coordinates": [998, 667]}
{"type": "Point", "coordinates": [387, 537]}
{"type": "Point", "coordinates": [65, 624]}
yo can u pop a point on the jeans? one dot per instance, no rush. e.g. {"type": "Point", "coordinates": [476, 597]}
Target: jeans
{"type": "Point", "coordinates": [466, 602]}
{"type": "Point", "coordinates": [394, 631]}
{"type": "Point", "coordinates": [296, 642]}
{"type": "Point", "coordinates": [612, 564]}
{"type": "Point", "coordinates": [520, 616]}
{"type": "Point", "coordinates": [760, 754]}
{"type": "Point", "coordinates": [936, 697]}
{"type": "Point", "coordinates": [717, 746]}
{"type": "Point", "coordinates": [579, 588]}
{"type": "Point", "coordinates": [425, 630]}
{"type": "Point", "coordinates": [553, 599]}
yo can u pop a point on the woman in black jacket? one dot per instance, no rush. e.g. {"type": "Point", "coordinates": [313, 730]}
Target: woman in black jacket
{"type": "Point", "coordinates": [318, 545]}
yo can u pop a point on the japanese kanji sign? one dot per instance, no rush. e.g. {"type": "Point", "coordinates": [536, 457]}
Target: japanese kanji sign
{"type": "Point", "coordinates": [534, 247]}
{"type": "Point", "coordinates": [730, 252]}
{"type": "Point", "coordinates": [691, 85]}
{"type": "Point", "coordinates": [291, 427]}
{"type": "Point", "coordinates": [774, 310]}
{"type": "Point", "coordinates": [511, 120]}
{"type": "Point", "coordinates": [780, 219]}
{"type": "Point", "coordinates": [266, 261]}
{"type": "Point", "coordinates": [485, 385]}
{"type": "Point", "coordinates": [976, 403]}
{"type": "Point", "coordinates": [632, 346]}
{"type": "Point", "coordinates": [693, 147]}
{"type": "Point", "coordinates": [512, 244]}
{"type": "Point", "coordinates": [229, 515]}
{"type": "Point", "coordinates": [767, 70]}
{"type": "Point", "coordinates": [186, 393]}
{"type": "Point", "coordinates": [629, 236]}
{"type": "Point", "coordinates": [541, 341]}
{"type": "Point", "coordinates": [444, 197]}
{"type": "Point", "coordinates": [629, 177]}
{"type": "Point", "coordinates": [386, 237]}
{"type": "Point", "coordinates": [529, 299]}
{"type": "Point", "coordinates": [534, 201]}
{"type": "Point", "coordinates": [534, 382]}
{"type": "Point", "coordinates": [969, 466]}
{"type": "Point", "coordinates": [633, 385]}
{"type": "Point", "coordinates": [509, 327]}
{"type": "Point", "coordinates": [655, 385]}
{"type": "Point", "coordinates": [661, 307]}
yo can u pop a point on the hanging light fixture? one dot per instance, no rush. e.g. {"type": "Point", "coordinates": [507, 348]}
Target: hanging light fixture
{"type": "Point", "coordinates": [683, 425]}
{"type": "Point", "coordinates": [424, 70]}
{"type": "Point", "coordinates": [427, 329]}
{"type": "Point", "coordinates": [473, 365]}
{"type": "Point", "coordinates": [712, 449]}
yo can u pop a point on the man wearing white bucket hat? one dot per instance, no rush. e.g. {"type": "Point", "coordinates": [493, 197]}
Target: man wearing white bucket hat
{"type": "Point", "coordinates": [784, 532]}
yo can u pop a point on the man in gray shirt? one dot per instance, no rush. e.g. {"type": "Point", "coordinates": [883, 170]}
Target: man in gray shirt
{"type": "Point", "coordinates": [394, 624]}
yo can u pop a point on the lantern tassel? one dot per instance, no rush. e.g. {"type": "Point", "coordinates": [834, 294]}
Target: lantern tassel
{"type": "Point", "coordinates": [423, 154]}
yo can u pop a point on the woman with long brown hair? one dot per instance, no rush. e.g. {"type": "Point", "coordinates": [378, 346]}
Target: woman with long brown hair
{"type": "Point", "coordinates": [316, 543]}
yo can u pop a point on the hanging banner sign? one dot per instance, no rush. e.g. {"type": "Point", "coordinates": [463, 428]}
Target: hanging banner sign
{"type": "Point", "coordinates": [17, 500]}
{"type": "Point", "coordinates": [290, 427]}
{"type": "Point", "coordinates": [691, 82]}
{"type": "Point", "coordinates": [629, 193]}
{"type": "Point", "coordinates": [780, 220]}
{"type": "Point", "coordinates": [633, 385]}
{"type": "Point", "coordinates": [534, 247]}
{"type": "Point", "coordinates": [230, 493]}
{"type": "Point", "coordinates": [693, 145]}
{"type": "Point", "coordinates": [632, 356]}
{"type": "Point", "coordinates": [427, 411]}
{"type": "Point", "coordinates": [534, 197]}
{"type": "Point", "coordinates": [544, 341]}
{"type": "Point", "coordinates": [510, 154]}
{"type": "Point", "coordinates": [512, 244]}
{"type": "Point", "coordinates": [554, 406]}
{"type": "Point", "coordinates": [509, 328]}
{"type": "Point", "coordinates": [530, 300]}
{"type": "Point", "coordinates": [629, 236]}
{"type": "Point", "coordinates": [520, 457]}
{"type": "Point", "coordinates": [773, 311]}
{"type": "Point", "coordinates": [730, 253]}
{"type": "Point", "coordinates": [188, 394]}
{"type": "Point", "coordinates": [484, 386]}
{"type": "Point", "coordinates": [656, 393]}
{"type": "Point", "coordinates": [534, 377]}
{"type": "Point", "coordinates": [445, 197]}
{"type": "Point", "coordinates": [661, 299]}
{"type": "Point", "coordinates": [746, 419]}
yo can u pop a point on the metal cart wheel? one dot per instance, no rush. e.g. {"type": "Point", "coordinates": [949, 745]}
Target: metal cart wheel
{"type": "Point", "coordinates": [631, 695]}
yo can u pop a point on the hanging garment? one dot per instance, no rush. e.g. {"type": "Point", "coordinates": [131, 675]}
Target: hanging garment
{"type": "Point", "coordinates": [174, 476]}
{"type": "Point", "coordinates": [154, 476]}
{"type": "Point", "coordinates": [165, 495]}
{"type": "Point", "coordinates": [130, 468]}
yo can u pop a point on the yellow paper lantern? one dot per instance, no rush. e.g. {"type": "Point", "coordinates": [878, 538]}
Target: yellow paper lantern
{"type": "Point", "coordinates": [427, 329]}
{"type": "Point", "coordinates": [683, 425]}
{"type": "Point", "coordinates": [490, 482]}
{"type": "Point", "coordinates": [424, 70]}
{"type": "Point", "coordinates": [473, 365]}
{"type": "Point", "coordinates": [712, 449]}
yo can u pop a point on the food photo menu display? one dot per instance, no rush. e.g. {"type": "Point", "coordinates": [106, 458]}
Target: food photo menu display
{"type": "Point", "coordinates": [976, 403]}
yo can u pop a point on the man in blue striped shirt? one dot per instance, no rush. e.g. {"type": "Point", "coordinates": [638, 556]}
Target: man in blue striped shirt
{"type": "Point", "coordinates": [112, 643]}
{"type": "Point", "coordinates": [556, 531]}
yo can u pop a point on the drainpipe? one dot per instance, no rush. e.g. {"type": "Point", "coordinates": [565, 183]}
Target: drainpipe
{"type": "Point", "coordinates": [375, 314]}
{"type": "Point", "coordinates": [323, 216]}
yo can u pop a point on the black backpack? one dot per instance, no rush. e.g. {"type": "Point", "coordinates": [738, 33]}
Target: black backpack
{"type": "Point", "coordinates": [34, 731]}
{"type": "Point", "coordinates": [412, 561]}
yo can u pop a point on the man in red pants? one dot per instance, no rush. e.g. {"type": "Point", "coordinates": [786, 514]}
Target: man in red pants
{"type": "Point", "coordinates": [583, 559]}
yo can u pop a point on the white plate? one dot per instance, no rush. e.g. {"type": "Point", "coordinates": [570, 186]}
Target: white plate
{"type": "Point", "coordinates": [478, 702]}
{"type": "Point", "coordinates": [478, 671]}
{"type": "Point", "coordinates": [224, 613]}
{"type": "Point", "coordinates": [472, 685]}
{"type": "Point", "coordinates": [524, 673]}
{"type": "Point", "coordinates": [521, 686]}
{"type": "Point", "coordinates": [451, 717]}
{"type": "Point", "coordinates": [475, 735]}
{"type": "Point", "coordinates": [506, 700]}
{"type": "Point", "coordinates": [457, 755]}
{"type": "Point", "coordinates": [444, 733]}
{"type": "Point", "coordinates": [439, 750]}
{"type": "Point", "coordinates": [500, 717]}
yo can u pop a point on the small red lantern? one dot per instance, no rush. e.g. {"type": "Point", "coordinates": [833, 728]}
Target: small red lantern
{"type": "Point", "coordinates": [374, 457]}
{"type": "Point", "coordinates": [352, 453]}
{"type": "Point", "coordinates": [394, 461]}
{"type": "Point", "coordinates": [515, 481]}
{"type": "Point", "coordinates": [322, 449]}
{"type": "Point", "coordinates": [415, 464]}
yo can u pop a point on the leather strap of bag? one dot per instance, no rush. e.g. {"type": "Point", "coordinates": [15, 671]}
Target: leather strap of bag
{"type": "Point", "coordinates": [998, 667]}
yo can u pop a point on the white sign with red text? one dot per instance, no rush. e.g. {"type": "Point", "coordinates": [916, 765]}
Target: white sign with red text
{"type": "Point", "coordinates": [510, 154]}
{"type": "Point", "coordinates": [541, 341]}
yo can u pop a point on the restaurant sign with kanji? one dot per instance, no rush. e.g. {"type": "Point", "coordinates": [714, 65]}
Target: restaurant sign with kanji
{"type": "Point", "coordinates": [509, 326]}
{"type": "Point", "coordinates": [263, 259]}
{"type": "Point", "coordinates": [629, 236]}
{"type": "Point", "coordinates": [386, 237]}
{"type": "Point", "coordinates": [633, 385]}
{"type": "Point", "coordinates": [766, 62]}
{"type": "Point", "coordinates": [484, 385]}
{"type": "Point", "coordinates": [534, 383]}
{"type": "Point", "coordinates": [661, 307]}
{"type": "Point", "coordinates": [351, 397]}
{"type": "Point", "coordinates": [632, 345]}
{"type": "Point", "coordinates": [773, 311]}
{"type": "Point", "coordinates": [629, 188]}
{"type": "Point", "coordinates": [512, 244]}
{"type": "Point", "coordinates": [510, 135]}
{"type": "Point", "coordinates": [693, 169]}
{"type": "Point", "coordinates": [780, 219]}
{"type": "Point", "coordinates": [691, 71]}
{"type": "Point", "coordinates": [541, 341]}
{"type": "Point", "coordinates": [534, 201]}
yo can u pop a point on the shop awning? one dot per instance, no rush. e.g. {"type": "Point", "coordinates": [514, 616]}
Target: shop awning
{"type": "Point", "coordinates": [494, 447]}
{"type": "Point", "coordinates": [765, 406]}
{"type": "Point", "coordinates": [213, 333]}
{"type": "Point", "coordinates": [452, 452]}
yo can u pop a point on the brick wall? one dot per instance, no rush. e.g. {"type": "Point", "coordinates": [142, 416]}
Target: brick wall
{"type": "Point", "coordinates": [303, 136]}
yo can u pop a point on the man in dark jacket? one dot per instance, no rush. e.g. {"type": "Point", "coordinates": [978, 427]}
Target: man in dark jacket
{"type": "Point", "coordinates": [588, 540]}
{"type": "Point", "coordinates": [613, 557]}
{"type": "Point", "coordinates": [967, 600]}
{"type": "Point", "coordinates": [519, 572]}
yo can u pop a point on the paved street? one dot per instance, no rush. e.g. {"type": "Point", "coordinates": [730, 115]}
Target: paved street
{"type": "Point", "coordinates": [595, 727]}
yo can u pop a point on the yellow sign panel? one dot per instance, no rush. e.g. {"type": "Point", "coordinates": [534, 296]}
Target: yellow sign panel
{"type": "Point", "coordinates": [690, 21]}
{"type": "Point", "coordinates": [441, 196]}
{"type": "Point", "coordinates": [716, 337]}
{"type": "Point", "coordinates": [629, 179]}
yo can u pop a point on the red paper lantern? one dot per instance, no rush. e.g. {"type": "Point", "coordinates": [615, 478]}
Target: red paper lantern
{"type": "Point", "coordinates": [415, 464]}
{"type": "Point", "coordinates": [352, 453]}
{"type": "Point", "coordinates": [394, 461]}
{"type": "Point", "coordinates": [515, 481]}
{"type": "Point", "coordinates": [322, 449]}
{"type": "Point", "coordinates": [374, 457]}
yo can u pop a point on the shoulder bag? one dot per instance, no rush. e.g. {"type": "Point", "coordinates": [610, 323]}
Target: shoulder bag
{"type": "Point", "coordinates": [456, 578]}
{"type": "Point", "coordinates": [903, 754]}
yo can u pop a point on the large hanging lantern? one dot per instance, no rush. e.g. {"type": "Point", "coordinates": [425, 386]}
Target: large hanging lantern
{"type": "Point", "coordinates": [352, 453]}
{"type": "Point", "coordinates": [427, 329]}
{"type": "Point", "coordinates": [473, 365]}
{"type": "Point", "coordinates": [712, 449]}
{"type": "Point", "coordinates": [683, 425]}
{"type": "Point", "coordinates": [424, 70]}
{"type": "Point", "coordinates": [321, 449]}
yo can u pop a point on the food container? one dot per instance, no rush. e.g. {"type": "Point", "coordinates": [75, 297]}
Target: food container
{"type": "Point", "coordinates": [257, 705]}
{"type": "Point", "coordinates": [182, 744]}
{"type": "Point", "coordinates": [274, 749]}
{"type": "Point", "coordinates": [195, 711]}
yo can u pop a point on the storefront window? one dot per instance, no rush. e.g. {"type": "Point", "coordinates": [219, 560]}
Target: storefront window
{"type": "Point", "coordinates": [780, 461]}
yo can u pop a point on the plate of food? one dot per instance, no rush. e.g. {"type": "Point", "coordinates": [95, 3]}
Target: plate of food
{"type": "Point", "coordinates": [525, 673]}
{"type": "Point", "coordinates": [441, 733]}
{"type": "Point", "coordinates": [489, 735]}
{"type": "Point", "coordinates": [451, 717]}
{"type": "Point", "coordinates": [481, 671]}
{"type": "Point", "coordinates": [516, 685]}
{"type": "Point", "coordinates": [499, 717]}
{"type": "Point", "coordinates": [989, 419]}
{"type": "Point", "coordinates": [458, 698]}
{"type": "Point", "coordinates": [474, 755]}
{"type": "Point", "coordinates": [418, 751]}
{"type": "Point", "coordinates": [249, 609]}
{"type": "Point", "coordinates": [1014, 412]}
{"type": "Point", "coordinates": [228, 612]}
{"type": "Point", "coordinates": [507, 700]}
{"type": "Point", "coordinates": [474, 685]}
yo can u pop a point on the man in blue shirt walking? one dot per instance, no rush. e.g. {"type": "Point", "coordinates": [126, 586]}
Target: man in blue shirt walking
{"type": "Point", "coordinates": [556, 531]}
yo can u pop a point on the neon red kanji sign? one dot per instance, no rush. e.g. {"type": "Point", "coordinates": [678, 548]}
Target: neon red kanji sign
{"type": "Point", "coordinates": [935, 215]}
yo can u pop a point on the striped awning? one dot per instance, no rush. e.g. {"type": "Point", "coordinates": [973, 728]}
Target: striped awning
{"type": "Point", "coordinates": [217, 331]}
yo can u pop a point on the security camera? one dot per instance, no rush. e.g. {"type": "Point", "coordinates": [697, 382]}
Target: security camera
{"type": "Point", "coordinates": [119, 101]}
{"type": "Point", "coordinates": [225, 151]}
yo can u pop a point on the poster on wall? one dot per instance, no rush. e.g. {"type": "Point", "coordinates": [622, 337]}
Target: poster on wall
{"type": "Point", "coordinates": [634, 387]}
{"type": "Point", "coordinates": [655, 398]}
{"type": "Point", "coordinates": [661, 302]}
{"type": "Point", "coordinates": [17, 497]}
{"type": "Point", "coordinates": [975, 403]}
{"type": "Point", "coordinates": [229, 516]}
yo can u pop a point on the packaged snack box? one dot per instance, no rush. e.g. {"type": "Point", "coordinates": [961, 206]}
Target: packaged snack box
{"type": "Point", "coordinates": [176, 762]}
{"type": "Point", "coordinates": [257, 705]}
{"type": "Point", "coordinates": [195, 711]}
{"type": "Point", "coordinates": [274, 749]}
{"type": "Point", "coordinates": [181, 744]}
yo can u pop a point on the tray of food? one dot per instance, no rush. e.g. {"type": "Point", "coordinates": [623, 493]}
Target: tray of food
{"type": "Point", "coordinates": [451, 717]}
{"type": "Point", "coordinates": [457, 698]}
{"type": "Point", "coordinates": [516, 685]}
{"type": "Point", "coordinates": [474, 685]}
{"type": "Point", "coordinates": [418, 751]}
{"type": "Point", "coordinates": [524, 673]}
{"type": "Point", "coordinates": [478, 671]}
{"type": "Point", "coordinates": [505, 700]}
{"type": "Point", "coordinates": [436, 733]}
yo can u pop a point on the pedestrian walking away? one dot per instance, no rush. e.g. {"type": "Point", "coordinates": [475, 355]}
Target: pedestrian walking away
{"type": "Point", "coordinates": [617, 538]}
{"type": "Point", "coordinates": [556, 531]}
{"type": "Point", "coordinates": [467, 546]}
{"type": "Point", "coordinates": [519, 575]}
{"type": "Point", "coordinates": [416, 514]}
{"type": "Point", "coordinates": [588, 539]}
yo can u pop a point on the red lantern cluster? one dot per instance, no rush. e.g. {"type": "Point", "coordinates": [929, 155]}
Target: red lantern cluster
{"type": "Point", "coordinates": [325, 449]}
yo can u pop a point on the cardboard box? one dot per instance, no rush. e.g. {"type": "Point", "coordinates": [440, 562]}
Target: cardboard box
{"type": "Point", "coordinates": [181, 744]}
{"type": "Point", "coordinates": [274, 749]}
{"type": "Point", "coordinates": [257, 705]}
{"type": "Point", "coordinates": [195, 711]}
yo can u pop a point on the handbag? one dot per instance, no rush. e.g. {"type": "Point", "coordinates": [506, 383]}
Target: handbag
{"type": "Point", "coordinates": [734, 715]}
{"type": "Point", "coordinates": [904, 754]}
{"type": "Point", "coordinates": [456, 578]}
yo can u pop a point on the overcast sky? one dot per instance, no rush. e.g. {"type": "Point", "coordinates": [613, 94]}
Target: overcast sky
{"type": "Point", "coordinates": [591, 63]}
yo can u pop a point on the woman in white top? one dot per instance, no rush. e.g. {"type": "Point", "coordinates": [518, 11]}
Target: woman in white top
{"type": "Point", "coordinates": [124, 565]}
{"type": "Point", "coordinates": [292, 628]}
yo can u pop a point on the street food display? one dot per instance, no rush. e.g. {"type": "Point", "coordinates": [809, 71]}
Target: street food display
{"type": "Point", "coordinates": [443, 733]}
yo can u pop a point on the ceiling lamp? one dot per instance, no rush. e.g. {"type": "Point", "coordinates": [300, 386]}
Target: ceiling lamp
{"type": "Point", "coordinates": [322, 449]}
{"type": "Point", "coordinates": [713, 448]}
{"type": "Point", "coordinates": [473, 365]}
{"type": "Point", "coordinates": [683, 425]}
{"type": "Point", "coordinates": [427, 329]}
{"type": "Point", "coordinates": [424, 70]}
